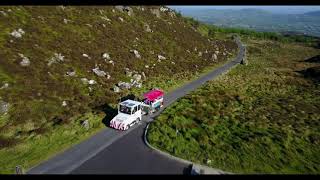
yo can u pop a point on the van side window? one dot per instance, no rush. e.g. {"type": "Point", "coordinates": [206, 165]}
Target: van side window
{"type": "Point", "coordinates": [135, 109]}
{"type": "Point", "coordinates": [139, 107]}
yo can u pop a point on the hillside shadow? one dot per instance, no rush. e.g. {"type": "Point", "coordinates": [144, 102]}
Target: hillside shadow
{"type": "Point", "coordinates": [312, 73]}
{"type": "Point", "coordinates": [110, 113]}
{"type": "Point", "coordinates": [314, 59]}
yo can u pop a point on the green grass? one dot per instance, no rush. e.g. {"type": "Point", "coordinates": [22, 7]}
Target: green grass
{"type": "Point", "coordinates": [260, 118]}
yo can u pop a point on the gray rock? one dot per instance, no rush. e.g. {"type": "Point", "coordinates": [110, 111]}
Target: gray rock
{"type": "Point", "coordinates": [116, 89]}
{"type": "Point", "coordinates": [3, 13]}
{"type": "Point", "coordinates": [64, 103]}
{"type": "Point", "coordinates": [124, 85]}
{"type": "Point", "coordinates": [160, 57]}
{"type": "Point", "coordinates": [136, 53]}
{"type": "Point", "coordinates": [156, 12]}
{"type": "Point", "coordinates": [144, 76]}
{"type": "Point", "coordinates": [85, 81]}
{"type": "Point", "coordinates": [91, 82]}
{"type": "Point", "coordinates": [86, 55]}
{"type": "Point", "coordinates": [147, 28]}
{"type": "Point", "coordinates": [17, 33]}
{"type": "Point", "coordinates": [25, 61]}
{"type": "Point", "coordinates": [121, 19]}
{"type": "Point", "coordinates": [164, 9]}
{"type": "Point", "coordinates": [99, 72]}
{"type": "Point", "coordinates": [125, 9]}
{"type": "Point", "coordinates": [106, 56]}
{"type": "Point", "coordinates": [111, 62]}
{"type": "Point", "coordinates": [137, 77]}
{"type": "Point", "coordinates": [4, 107]}
{"type": "Point", "coordinates": [5, 86]}
{"type": "Point", "coordinates": [105, 18]}
{"type": "Point", "coordinates": [172, 14]}
{"type": "Point", "coordinates": [71, 73]}
{"type": "Point", "coordinates": [57, 57]}
{"type": "Point", "coordinates": [214, 57]}
{"type": "Point", "coordinates": [128, 72]}
{"type": "Point", "coordinates": [86, 124]}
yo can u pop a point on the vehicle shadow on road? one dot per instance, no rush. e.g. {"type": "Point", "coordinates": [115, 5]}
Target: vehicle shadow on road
{"type": "Point", "coordinates": [110, 113]}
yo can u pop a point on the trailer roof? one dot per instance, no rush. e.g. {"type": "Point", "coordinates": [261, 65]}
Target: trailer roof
{"type": "Point", "coordinates": [153, 94]}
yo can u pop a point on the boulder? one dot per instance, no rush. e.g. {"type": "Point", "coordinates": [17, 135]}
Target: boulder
{"type": "Point", "coordinates": [3, 13]}
{"type": "Point", "coordinates": [4, 107]}
{"type": "Point", "coordinates": [161, 57]}
{"type": "Point", "coordinates": [214, 57]}
{"type": "Point", "coordinates": [144, 76]}
{"type": "Point", "coordinates": [5, 86]}
{"type": "Point", "coordinates": [156, 12]}
{"type": "Point", "coordinates": [71, 73]}
{"type": "Point", "coordinates": [137, 77]}
{"type": "Point", "coordinates": [17, 33]}
{"type": "Point", "coordinates": [91, 82]}
{"type": "Point", "coordinates": [136, 53]}
{"type": "Point", "coordinates": [147, 28]}
{"type": "Point", "coordinates": [106, 56]}
{"type": "Point", "coordinates": [86, 124]}
{"type": "Point", "coordinates": [57, 57]}
{"type": "Point", "coordinates": [125, 9]}
{"type": "Point", "coordinates": [99, 72]}
{"type": "Point", "coordinates": [121, 19]}
{"type": "Point", "coordinates": [111, 62]}
{"type": "Point", "coordinates": [124, 85]}
{"type": "Point", "coordinates": [85, 81]}
{"type": "Point", "coordinates": [25, 61]}
{"type": "Point", "coordinates": [116, 89]}
{"type": "Point", "coordinates": [64, 103]}
{"type": "Point", "coordinates": [164, 9]}
{"type": "Point", "coordinates": [86, 55]}
{"type": "Point", "coordinates": [128, 72]}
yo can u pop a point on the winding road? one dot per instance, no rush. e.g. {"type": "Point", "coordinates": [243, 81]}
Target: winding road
{"type": "Point", "coordinates": [116, 152]}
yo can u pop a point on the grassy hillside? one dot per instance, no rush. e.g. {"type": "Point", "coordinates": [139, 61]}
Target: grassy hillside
{"type": "Point", "coordinates": [47, 51]}
{"type": "Point", "coordinates": [260, 118]}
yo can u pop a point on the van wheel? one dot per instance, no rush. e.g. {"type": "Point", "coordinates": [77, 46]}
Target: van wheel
{"type": "Point", "coordinates": [127, 127]}
{"type": "Point", "coordinates": [138, 120]}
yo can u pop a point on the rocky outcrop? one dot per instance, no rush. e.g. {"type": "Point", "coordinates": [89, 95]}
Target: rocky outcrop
{"type": "Point", "coordinates": [136, 53]}
{"type": "Point", "coordinates": [57, 57]}
{"type": "Point", "coordinates": [99, 72]}
{"type": "Point", "coordinates": [125, 9]}
{"type": "Point", "coordinates": [17, 33]}
{"type": "Point", "coordinates": [156, 12]}
{"type": "Point", "coordinates": [25, 61]}
{"type": "Point", "coordinates": [4, 107]}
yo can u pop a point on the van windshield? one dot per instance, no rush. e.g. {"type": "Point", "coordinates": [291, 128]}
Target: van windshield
{"type": "Point", "coordinates": [125, 109]}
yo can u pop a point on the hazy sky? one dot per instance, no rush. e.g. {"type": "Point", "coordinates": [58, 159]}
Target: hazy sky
{"type": "Point", "coordinates": [274, 9]}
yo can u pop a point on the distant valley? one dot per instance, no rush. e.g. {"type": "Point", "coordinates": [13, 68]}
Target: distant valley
{"type": "Point", "coordinates": [260, 20]}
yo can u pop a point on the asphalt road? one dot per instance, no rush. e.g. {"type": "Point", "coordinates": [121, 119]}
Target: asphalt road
{"type": "Point", "coordinates": [116, 152]}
